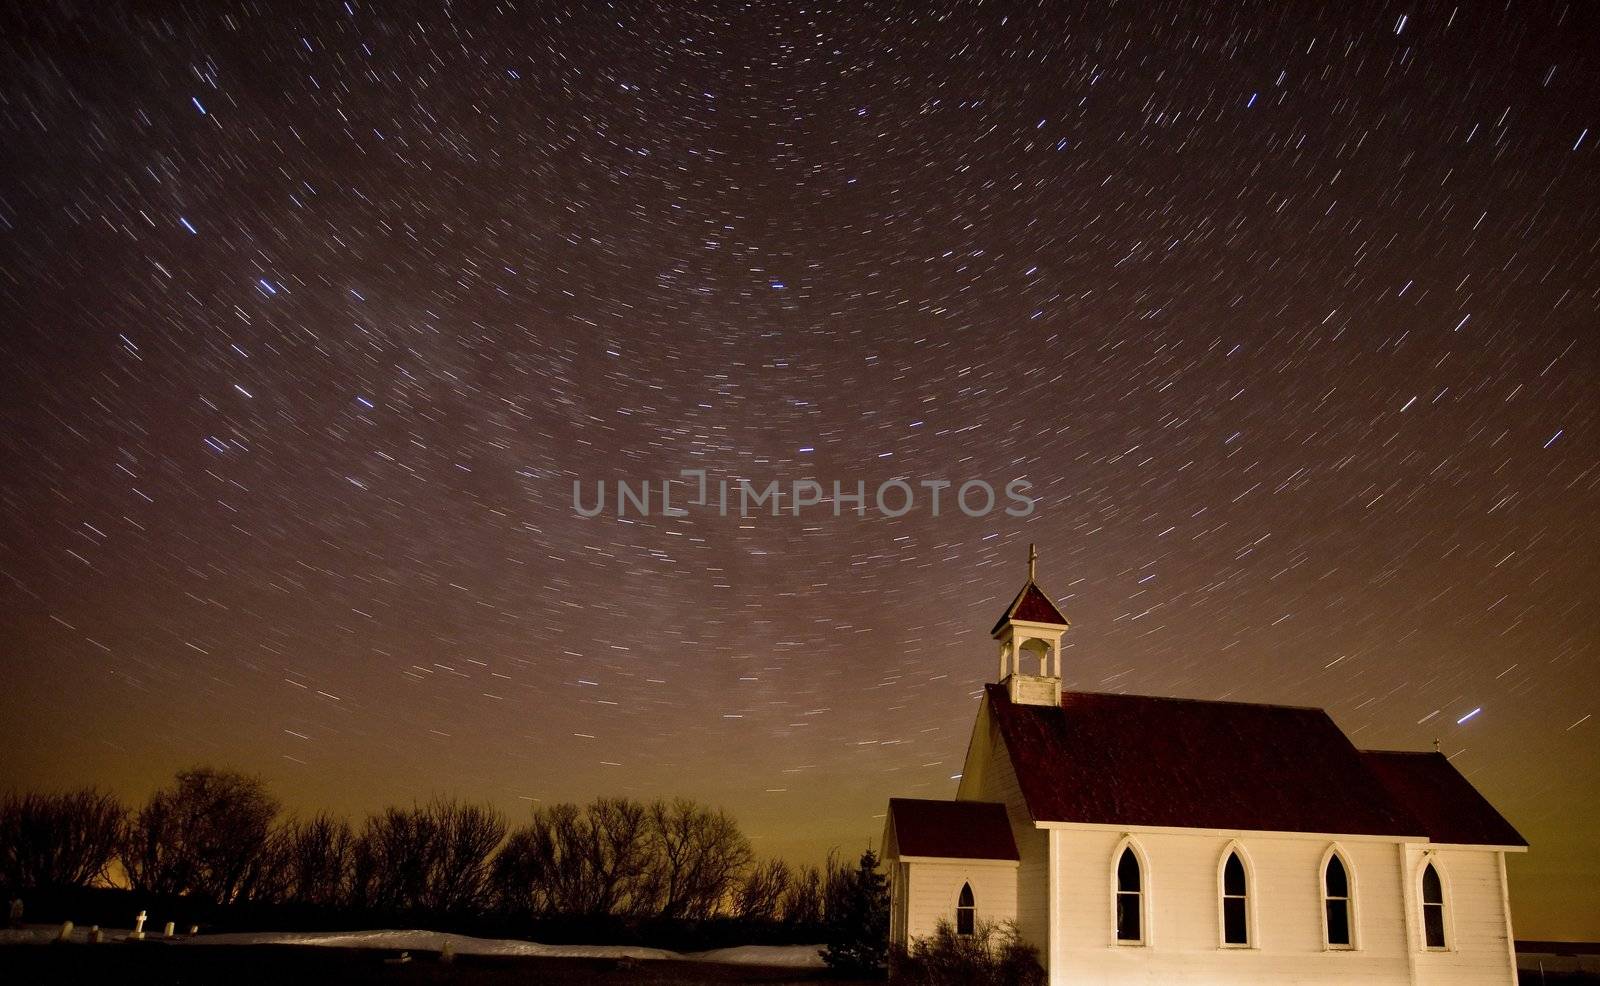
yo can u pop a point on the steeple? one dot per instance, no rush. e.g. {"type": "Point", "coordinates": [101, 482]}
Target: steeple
{"type": "Point", "coordinates": [1030, 630]}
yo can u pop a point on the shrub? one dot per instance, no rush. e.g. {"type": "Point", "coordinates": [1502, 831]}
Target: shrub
{"type": "Point", "coordinates": [994, 955]}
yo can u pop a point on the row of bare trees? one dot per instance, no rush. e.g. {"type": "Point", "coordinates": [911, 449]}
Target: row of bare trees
{"type": "Point", "coordinates": [63, 840]}
{"type": "Point", "coordinates": [220, 836]}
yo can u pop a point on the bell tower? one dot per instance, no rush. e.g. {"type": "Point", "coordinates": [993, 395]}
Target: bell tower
{"type": "Point", "coordinates": [1029, 634]}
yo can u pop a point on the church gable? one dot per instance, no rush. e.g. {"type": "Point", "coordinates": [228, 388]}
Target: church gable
{"type": "Point", "coordinates": [989, 771]}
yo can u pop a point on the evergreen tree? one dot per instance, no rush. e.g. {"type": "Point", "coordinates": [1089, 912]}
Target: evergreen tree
{"type": "Point", "coordinates": [858, 920]}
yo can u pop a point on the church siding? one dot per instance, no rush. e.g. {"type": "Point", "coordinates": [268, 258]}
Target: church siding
{"type": "Point", "coordinates": [1183, 932]}
{"type": "Point", "coordinates": [933, 887]}
{"type": "Point", "coordinates": [1477, 925]}
{"type": "Point", "coordinates": [1072, 893]}
{"type": "Point", "coordinates": [989, 776]}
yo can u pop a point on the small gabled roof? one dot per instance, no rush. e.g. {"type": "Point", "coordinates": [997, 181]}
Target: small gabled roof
{"type": "Point", "coordinates": [952, 829]}
{"type": "Point", "coordinates": [1182, 763]}
{"type": "Point", "coordinates": [1033, 606]}
{"type": "Point", "coordinates": [1432, 790]}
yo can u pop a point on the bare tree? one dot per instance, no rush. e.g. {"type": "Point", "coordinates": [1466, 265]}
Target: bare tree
{"type": "Point", "coordinates": [59, 840]}
{"type": "Point", "coordinates": [699, 856]}
{"type": "Point", "coordinates": [561, 839]}
{"type": "Point", "coordinates": [266, 876]}
{"type": "Point", "coordinates": [392, 859]}
{"type": "Point", "coordinates": [619, 855]}
{"type": "Point", "coordinates": [803, 899]}
{"type": "Point", "coordinates": [574, 860]}
{"type": "Point", "coordinates": [838, 883]}
{"type": "Point", "coordinates": [466, 837]}
{"type": "Point", "coordinates": [151, 854]}
{"type": "Point", "coordinates": [319, 860]}
{"type": "Point", "coordinates": [433, 858]}
{"type": "Point", "coordinates": [206, 835]}
{"type": "Point", "coordinates": [517, 876]}
{"type": "Point", "coordinates": [761, 893]}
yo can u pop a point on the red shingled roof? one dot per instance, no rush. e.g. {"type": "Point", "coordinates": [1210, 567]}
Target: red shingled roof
{"type": "Point", "coordinates": [1032, 605]}
{"type": "Point", "coordinates": [954, 829]}
{"type": "Point", "coordinates": [1142, 760]}
{"type": "Point", "coordinates": [1432, 790]}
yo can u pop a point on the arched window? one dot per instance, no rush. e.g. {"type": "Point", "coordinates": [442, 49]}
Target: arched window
{"type": "Point", "coordinates": [1336, 902]}
{"type": "Point", "coordinates": [1235, 902]}
{"type": "Point", "coordinates": [1432, 908]}
{"type": "Point", "coordinates": [1130, 898]}
{"type": "Point", "coordinates": [966, 911]}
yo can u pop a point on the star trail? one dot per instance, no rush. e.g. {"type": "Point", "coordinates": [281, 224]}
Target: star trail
{"type": "Point", "coordinates": [312, 314]}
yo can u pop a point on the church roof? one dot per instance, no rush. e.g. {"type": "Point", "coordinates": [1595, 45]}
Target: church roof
{"type": "Point", "coordinates": [1031, 605]}
{"type": "Point", "coordinates": [954, 829]}
{"type": "Point", "coordinates": [1449, 807]}
{"type": "Point", "coordinates": [1183, 763]}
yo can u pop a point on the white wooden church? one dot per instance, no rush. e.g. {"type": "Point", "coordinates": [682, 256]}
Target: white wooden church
{"type": "Point", "coordinates": [1138, 839]}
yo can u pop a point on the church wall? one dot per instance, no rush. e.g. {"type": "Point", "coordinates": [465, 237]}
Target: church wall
{"type": "Point", "coordinates": [932, 888]}
{"type": "Point", "coordinates": [897, 875]}
{"type": "Point", "coordinates": [1478, 932]}
{"type": "Point", "coordinates": [989, 776]}
{"type": "Point", "coordinates": [1183, 927]}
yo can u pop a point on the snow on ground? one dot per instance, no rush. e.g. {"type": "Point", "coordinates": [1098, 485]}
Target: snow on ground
{"type": "Point", "coordinates": [432, 941]}
{"type": "Point", "coordinates": [789, 956]}
{"type": "Point", "coordinates": [44, 934]}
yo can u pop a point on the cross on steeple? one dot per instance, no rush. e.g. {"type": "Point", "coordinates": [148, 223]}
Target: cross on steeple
{"type": "Point", "coordinates": [1033, 560]}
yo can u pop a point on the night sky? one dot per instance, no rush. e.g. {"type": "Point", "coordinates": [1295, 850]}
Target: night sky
{"type": "Point", "coordinates": [311, 315]}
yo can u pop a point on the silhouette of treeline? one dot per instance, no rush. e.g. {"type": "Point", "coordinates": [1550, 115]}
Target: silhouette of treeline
{"type": "Point", "coordinates": [219, 841]}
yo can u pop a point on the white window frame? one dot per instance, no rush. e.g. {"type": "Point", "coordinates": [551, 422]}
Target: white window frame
{"type": "Point", "coordinates": [1447, 912]}
{"type": "Point", "coordinates": [1128, 842]}
{"type": "Point", "coordinates": [1335, 851]}
{"type": "Point", "coordinates": [1251, 929]}
{"type": "Point", "coordinates": [966, 885]}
